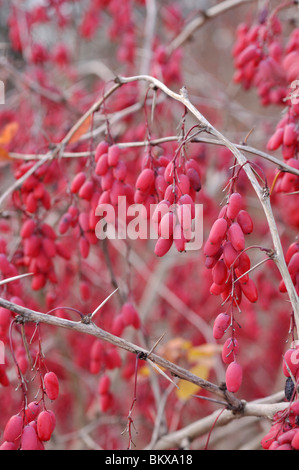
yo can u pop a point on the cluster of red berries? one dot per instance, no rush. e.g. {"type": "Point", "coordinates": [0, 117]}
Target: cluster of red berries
{"type": "Point", "coordinates": [168, 193]}
{"type": "Point", "coordinates": [103, 357]}
{"type": "Point", "coordinates": [112, 171]}
{"type": "Point", "coordinates": [257, 55]}
{"type": "Point", "coordinates": [284, 432]}
{"type": "Point", "coordinates": [262, 61]}
{"type": "Point", "coordinates": [33, 426]}
{"type": "Point", "coordinates": [33, 193]}
{"type": "Point", "coordinates": [225, 256]}
{"type": "Point", "coordinates": [292, 260]}
{"type": "Point", "coordinates": [39, 251]}
{"type": "Point", "coordinates": [128, 316]}
{"type": "Point", "coordinates": [106, 397]}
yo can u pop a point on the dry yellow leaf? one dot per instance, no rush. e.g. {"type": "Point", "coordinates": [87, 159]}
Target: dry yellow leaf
{"type": "Point", "coordinates": [8, 133]}
{"type": "Point", "coordinates": [85, 127]}
{"type": "Point", "coordinates": [4, 155]}
{"type": "Point", "coordinates": [186, 389]}
{"type": "Point", "coordinates": [205, 350]}
{"type": "Point", "coordinates": [175, 349]}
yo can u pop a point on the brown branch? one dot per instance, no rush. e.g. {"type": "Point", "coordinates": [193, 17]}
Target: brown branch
{"type": "Point", "coordinates": [86, 326]}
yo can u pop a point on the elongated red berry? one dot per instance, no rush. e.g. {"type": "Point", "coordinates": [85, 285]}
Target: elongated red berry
{"type": "Point", "coordinates": [220, 272]}
{"type": "Point", "coordinates": [104, 384]}
{"type": "Point", "coordinates": [218, 231]}
{"type": "Point", "coordinates": [44, 426]}
{"type": "Point", "coordinates": [113, 155]}
{"type": "Point", "coordinates": [167, 225]}
{"type": "Point", "coordinates": [51, 385]}
{"type": "Point", "coordinates": [221, 324]}
{"type": "Point", "coordinates": [295, 441]}
{"type": "Point", "coordinates": [13, 428]}
{"type": "Point", "coordinates": [290, 362]}
{"type": "Point", "coordinates": [179, 238]}
{"type": "Point", "coordinates": [29, 438]}
{"type": "Point", "coordinates": [230, 255]}
{"type": "Point", "coordinates": [234, 377]}
{"type": "Point", "coordinates": [32, 411]}
{"type": "Point", "coordinates": [145, 179]}
{"type": "Point", "coordinates": [293, 265]}
{"type": "Point", "coordinates": [245, 222]}
{"type": "Point", "coordinates": [77, 182]}
{"type": "Point", "coordinates": [290, 135]}
{"type": "Point", "coordinates": [250, 53]}
{"type": "Point", "coordinates": [101, 149]}
{"type": "Point", "coordinates": [129, 313]}
{"type": "Point", "coordinates": [102, 165]}
{"type": "Point", "coordinates": [276, 140]}
{"type": "Point", "coordinates": [236, 236]}
{"type": "Point", "coordinates": [249, 289]}
{"type": "Point", "coordinates": [234, 206]}
{"type": "Point", "coordinates": [28, 228]}
{"type": "Point", "coordinates": [163, 245]}
{"type": "Point", "coordinates": [194, 177]}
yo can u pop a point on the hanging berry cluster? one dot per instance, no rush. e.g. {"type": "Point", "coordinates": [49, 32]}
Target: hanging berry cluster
{"type": "Point", "coordinates": [284, 432]}
{"type": "Point", "coordinates": [34, 424]}
{"type": "Point", "coordinates": [225, 256]}
{"type": "Point", "coordinates": [170, 188]}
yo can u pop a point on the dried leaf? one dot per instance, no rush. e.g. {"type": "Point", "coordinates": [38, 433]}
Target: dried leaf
{"type": "Point", "coordinates": [85, 127]}
{"type": "Point", "coordinates": [4, 155]}
{"type": "Point", "coordinates": [8, 133]}
{"type": "Point", "coordinates": [186, 389]}
{"type": "Point", "coordinates": [204, 351]}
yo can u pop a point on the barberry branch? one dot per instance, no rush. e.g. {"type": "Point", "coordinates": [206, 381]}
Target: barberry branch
{"type": "Point", "coordinates": [86, 326]}
{"type": "Point", "coordinates": [263, 194]}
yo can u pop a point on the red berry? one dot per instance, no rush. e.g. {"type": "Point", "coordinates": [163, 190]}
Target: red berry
{"type": "Point", "coordinates": [129, 313]}
{"type": "Point", "coordinates": [245, 222]}
{"type": "Point", "coordinates": [102, 165]}
{"type": "Point", "coordinates": [101, 149]}
{"type": "Point", "coordinates": [236, 236]}
{"type": "Point", "coordinates": [32, 411]}
{"type": "Point", "coordinates": [28, 228]}
{"type": "Point", "coordinates": [29, 438]}
{"type": "Point", "coordinates": [44, 426]}
{"type": "Point", "coordinates": [290, 362]}
{"type": "Point", "coordinates": [77, 182]}
{"type": "Point", "coordinates": [145, 179]}
{"type": "Point", "coordinates": [104, 384]}
{"type": "Point", "coordinates": [220, 272]}
{"type": "Point", "coordinates": [51, 385]}
{"type": "Point", "coordinates": [249, 289]}
{"type": "Point", "coordinates": [234, 377]}
{"type": "Point", "coordinates": [163, 245]}
{"type": "Point", "coordinates": [295, 441]}
{"type": "Point", "coordinates": [218, 231]}
{"type": "Point", "coordinates": [106, 402]}
{"type": "Point", "coordinates": [234, 205]}
{"type": "Point", "coordinates": [221, 324]}
{"type": "Point", "coordinates": [13, 428]}
{"type": "Point", "coordinates": [113, 155]}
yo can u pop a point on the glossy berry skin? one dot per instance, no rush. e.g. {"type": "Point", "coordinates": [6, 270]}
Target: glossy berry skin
{"type": "Point", "coordinates": [51, 385]}
{"type": "Point", "coordinates": [44, 426]}
{"type": "Point", "coordinates": [234, 377]}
